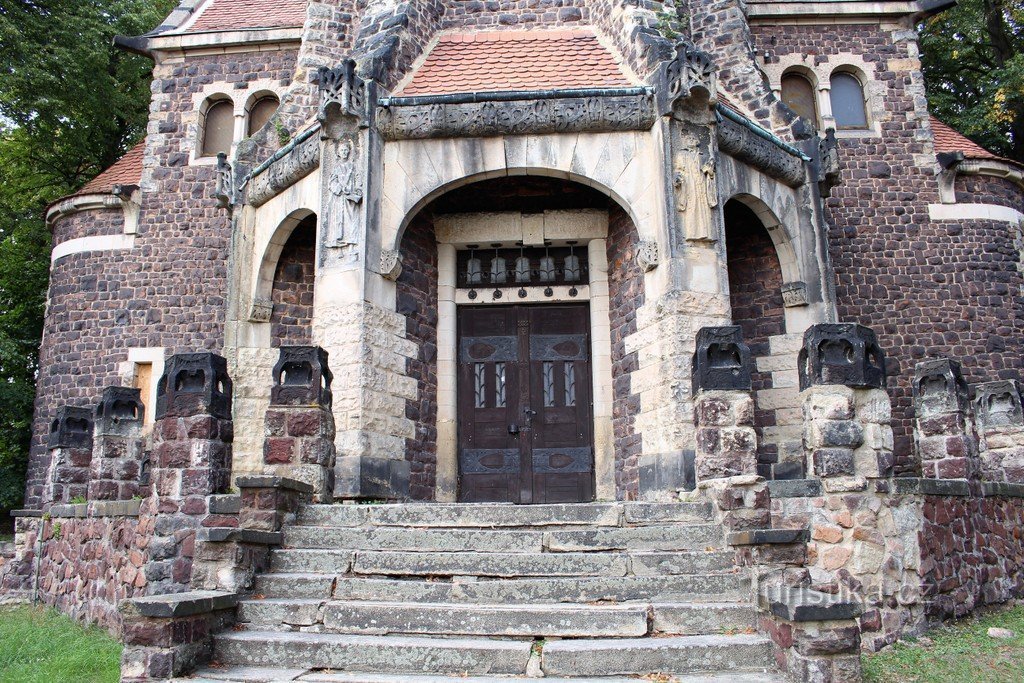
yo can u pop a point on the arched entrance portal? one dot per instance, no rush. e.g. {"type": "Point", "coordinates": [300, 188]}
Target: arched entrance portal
{"type": "Point", "coordinates": [507, 294]}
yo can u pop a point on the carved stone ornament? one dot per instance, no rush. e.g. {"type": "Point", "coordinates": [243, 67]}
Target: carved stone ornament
{"type": "Point", "coordinates": [721, 361]}
{"type": "Point", "coordinates": [120, 411]}
{"type": "Point", "coordinates": [342, 93]}
{"type": "Point", "coordinates": [346, 183]}
{"type": "Point", "coordinates": [939, 387]}
{"type": "Point", "coordinates": [794, 294]}
{"type": "Point", "coordinates": [762, 154]}
{"type": "Point", "coordinates": [481, 119]}
{"type": "Point", "coordinates": [224, 190]}
{"type": "Point", "coordinates": [696, 188]}
{"type": "Point", "coordinates": [293, 165]}
{"type": "Point", "coordinates": [998, 404]}
{"type": "Point", "coordinates": [690, 71]}
{"type": "Point", "coordinates": [301, 377]}
{"type": "Point", "coordinates": [194, 384]}
{"type": "Point", "coordinates": [841, 353]}
{"type": "Point", "coordinates": [390, 264]}
{"type": "Point", "coordinates": [261, 310]}
{"type": "Point", "coordinates": [828, 173]}
{"type": "Point", "coordinates": [647, 255]}
{"type": "Point", "coordinates": [71, 427]}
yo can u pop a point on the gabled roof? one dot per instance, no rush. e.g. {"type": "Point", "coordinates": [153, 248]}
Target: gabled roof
{"type": "Point", "coordinates": [227, 15]}
{"type": "Point", "coordinates": [125, 171]}
{"type": "Point", "coordinates": [950, 140]}
{"type": "Point", "coordinates": [495, 61]}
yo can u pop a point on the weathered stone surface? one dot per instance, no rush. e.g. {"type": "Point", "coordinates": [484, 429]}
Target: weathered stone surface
{"type": "Point", "coordinates": [703, 618]}
{"type": "Point", "coordinates": [841, 353]}
{"type": "Point", "coordinates": [795, 488]}
{"type": "Point", "coordinates": [721, 361]}
{"type": "Point", "coordinates": [680, 562]}
{"type": "Point", "coordinates": [803, 604]}
{"type": "Point", "coordinates": [490, 564]}
{"type": "Point", "coordinates": [640, 538]}
{"type": "Point", "coordinates": [655, 513]}
{"type": "Point", "coordinates": [418, 540]}
{"type": "Point", "coordinates": [768, 536]}
{"type": "Point", "coordinates": [184, 604]}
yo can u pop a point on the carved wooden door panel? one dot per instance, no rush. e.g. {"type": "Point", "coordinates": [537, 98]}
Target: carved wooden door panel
{"type": "Point", "coordinates": [525, 425]}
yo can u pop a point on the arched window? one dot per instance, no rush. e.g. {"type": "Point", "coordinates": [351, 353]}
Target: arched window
{"type": "Point", "coordinates": [798, 94]}
{"type": "Point", "coordinates": [847, 95]}
{"type": "Point", "coordinates": [218, 128]}
{"type": "Point", "coordinates": [260, 111]}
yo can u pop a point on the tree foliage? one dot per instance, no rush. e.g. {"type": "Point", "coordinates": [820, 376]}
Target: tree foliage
{"type": "Point", "coordinates": [70, 105]}
{"type": "Point", "coordinates": [973, 60]}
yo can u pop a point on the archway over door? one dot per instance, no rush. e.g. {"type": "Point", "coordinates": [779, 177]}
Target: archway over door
{"type": "Point", "coordinates": [755, 295]}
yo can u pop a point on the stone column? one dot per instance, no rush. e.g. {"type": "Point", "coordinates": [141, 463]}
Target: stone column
{"type": "Point", "coordinates": [191, 461]}
{"type": "Point", "coordinates": [847, 430]}
{"type": "Point", "coordinates": [942, 425]}
{"type": "Point", "coordinates": [723, 405]}
{"type": "Point", "coordinates": [998, 410]}
{"type": "Point", "coordinates": [117, 445]}
{"type": "Point", "coordinates": [299, 424]}
{"type": "Point", "coordinates": [70, 443]}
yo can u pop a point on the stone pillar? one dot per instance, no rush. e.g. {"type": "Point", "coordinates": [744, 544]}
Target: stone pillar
{"type": "Point", "coordinates": [191, 461]}
{"type": "Point", "coordinates": [117, 445]}
{"type": "Point", "coordinates": [942, 427]}
{"type": "Point", "coordinates": [299, 424]}
{"type": "Point", "coordinates": [70, 443]}
{"type": "Point", "coordinates": [847, 430]}
{"type": "Point", "coordinates": [998, 410]}
{"type": "Point", "coordinates": [723, 405]}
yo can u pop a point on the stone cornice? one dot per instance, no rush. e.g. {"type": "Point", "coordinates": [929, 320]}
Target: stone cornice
{"type": "Point", "coordinates": [996, 168]}
{"type": "Point", "coordinates": [165, 44]}
{"type": "Point", "coordinates": [769, 10]}
{"type": "Point", "coordinates": [85, 202]}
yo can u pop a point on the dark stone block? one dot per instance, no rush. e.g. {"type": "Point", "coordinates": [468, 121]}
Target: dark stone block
{"type": "Point", "coordinates": [194, 384]}
{"type": "Point", "coordinates": [71, 428]}
{"type": "Point", "coordinates": [1000, 488]}
{"type": "Point", "coordinates": [721, 361]}
{"type": "Point", "coordinates": [768, 537]}
{"type": "Point", "coordinates": [267, 481]}
{"type": "Point", "coordinates": [804, 604]}
{"type": "Point", "coordinates": [930, 487]}
{"type": "Point", "coordinates": [184, 604]}
{"type": "Point", "coordinates": [225, 534]}
{"type": "Point", "coordinates": [939, 387]}
{"type": "Point", "coordinates": [120, 412]}
{"type": "Point", "coordinates": [831, 462]}
{"type": "Point", "coordinates": [667, 472]}
{"type": "Point", "coordinates": [841, 353]}
{"type": "Point", "coordinates": [789, 470]}
{"type": "Point", "coordinates": [998, 403]}
{"type": "Point", "coordinates": [795, 488]}
{"type": "Point", "coordinates": [302, 378]}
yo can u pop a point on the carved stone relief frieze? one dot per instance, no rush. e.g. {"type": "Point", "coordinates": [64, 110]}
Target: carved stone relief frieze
{"type": "Point", "coordinates": [294, 164]}
{"type": "Point", "coordinates": [261, 310]}
{"type": "Point", "coordinates": [762, 154]}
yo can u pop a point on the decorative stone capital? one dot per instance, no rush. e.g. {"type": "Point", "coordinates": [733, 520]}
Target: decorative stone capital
{"type": "Point", "coordinates": [194, 384]}
{"type": "Point", "coordinates": [261, 310]}
{"type": "Point", "coordinates": [647, 255]}
{"type": "Point", "coordinates": [939, 387]}
{"type": "Point", "coordinates": [390, 264]}
{"type": "Point", "coordinates": [721, 360]}
{"type": "Point", "coordinates": [841, 353]}
{"type": "Point", "coordinates": [71, 427]}
{"type": "Point", "coordinates": [301, 377]}
{"type": "Point", "coordinates": [691, 72]}
{"type": "Point", "coordinates": [998, 404]}
{"type": "Point", "coordinates": [794, 294]}
{"type": "Point", "coordinates": [120, 412]}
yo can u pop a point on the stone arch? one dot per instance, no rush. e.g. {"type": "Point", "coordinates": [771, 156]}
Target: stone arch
{"type": "Point", "coordinates": [779, 233]}
{"type": "Point", "coordinates": [291, 295]}
{"type": "Point", "coordinates": [272, 252]}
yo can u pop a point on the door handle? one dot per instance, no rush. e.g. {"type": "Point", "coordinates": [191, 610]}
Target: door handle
{"type": "Point", "coordinates": [513, 429]}
{"type": "Point", "coordinates": [528, 416]}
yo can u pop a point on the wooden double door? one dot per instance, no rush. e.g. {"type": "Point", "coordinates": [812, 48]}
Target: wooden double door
{"type": "Point", "coordinates": [524, 397]}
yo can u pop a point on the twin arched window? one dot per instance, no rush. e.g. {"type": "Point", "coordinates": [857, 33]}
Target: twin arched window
{"type": "Point", "coordinates": [218, 121]}
{"type": "Point", "coordinates": [846, 97]}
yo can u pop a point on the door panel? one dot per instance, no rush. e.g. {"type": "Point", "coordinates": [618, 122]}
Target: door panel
{"type": "Point", "coordinates": [524, 395]}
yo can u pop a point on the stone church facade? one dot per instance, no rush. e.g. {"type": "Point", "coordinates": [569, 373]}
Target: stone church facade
{"type": "Point", "coordinates": [543, 252]}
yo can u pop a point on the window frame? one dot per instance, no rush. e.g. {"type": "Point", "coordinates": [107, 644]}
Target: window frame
{"type": "Point", "coordinates": [209, 104]}
{"type": "Point", "coordinates": [849, 72]}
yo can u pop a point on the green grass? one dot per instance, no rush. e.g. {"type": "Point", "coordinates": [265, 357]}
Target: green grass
{"type": "Point", "coordinates": [41, 645]}
{"type": "Point", "coordinates": [960, 652]}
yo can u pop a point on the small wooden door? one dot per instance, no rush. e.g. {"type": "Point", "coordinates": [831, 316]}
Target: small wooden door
{"type": "Point", "coordinates": [524, 393]}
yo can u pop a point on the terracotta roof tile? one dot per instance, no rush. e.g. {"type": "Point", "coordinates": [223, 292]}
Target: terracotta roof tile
{"type": "Point", "coordinates": [516, 60]}
{"type": "Point", "coordinates": [125, 171]}
{"type": "Point", "coordinates": [224, 15]}
{"type": "Point", "coordinates": [949, 140]}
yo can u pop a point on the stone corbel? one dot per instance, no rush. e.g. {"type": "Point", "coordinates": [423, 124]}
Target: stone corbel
{"type": "Point", "coordinates": [949, 163]}
{"type": "Point", "coordinates": [390, 264]}
{"type": "Point", "coordinates": [794, 294]}
{"type": "Point", "coordinates": [344, 95]}
{"type": "Point", "coordinates": [691, 73]}
{"type": "Point", "coordinates": [131, 204]}
{"type": "Point", "coordinates": [828, 172]}
{"type": "Point", "coordinates": [260, 310]}
{"type": "Point", "coordinates": [647, 255]}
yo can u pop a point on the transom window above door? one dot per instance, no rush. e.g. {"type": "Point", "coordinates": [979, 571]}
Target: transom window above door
{"type": "Point", "coordinates": [480, 266]}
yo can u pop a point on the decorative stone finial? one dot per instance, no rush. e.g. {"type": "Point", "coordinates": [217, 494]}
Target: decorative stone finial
{"type": "Point", "coordinates": [120, 411]}
{"type": "Point", "coordinates": [939, 387]}
{"type": "Point", "coordinates": [301, 377]}
{"type": "Point", "coordinates": [343, 93]}
{"type": "Point", "coordinates": [71, 427]}
{"type": "Point", "coordinates": [841, 353]}
{"type": "Point", "coordinates": [194, 384]}
{"type": "Point", "coordinates": [721, 361]}
{"type": "Point", "coordinates": [688, 72]}
{"type": "Point", "coordinates": [998, 403]}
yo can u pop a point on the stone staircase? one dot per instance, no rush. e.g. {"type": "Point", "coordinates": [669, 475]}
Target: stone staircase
{"type": "Point", "coordinates": [487, 592]}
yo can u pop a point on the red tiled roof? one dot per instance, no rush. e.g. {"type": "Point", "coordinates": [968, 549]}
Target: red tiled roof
{"type": "Point", "coordinates": [516, 60]}
{"type": "Point", "coordinates": [125, 171]}
{"type": "Point", "coordinates": [225, 15]}
{"type": "Point", "coordinates": [949, 140]}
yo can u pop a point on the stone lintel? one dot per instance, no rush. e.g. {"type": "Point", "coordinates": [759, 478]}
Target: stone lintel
{"type": "Point", "coordinates": [768, 537]}
{"type": "Point", "coordinates": [184, 604]}
{"type": "Point", "coordinates": [795, 488]}
{"type": "Point", "coordinates": [803, 604]}
{"type": "Point", "coordinates": [223, 534]}
{"type": "Point", "coordinates": [268, 481]}
{"type": "Point", "coordinates": [930, 487]}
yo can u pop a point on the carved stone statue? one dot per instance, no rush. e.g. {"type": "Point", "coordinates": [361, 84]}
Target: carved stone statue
{"type": "Point", "coordinates": [346, 182]}
{"type": "Point", "coordinates": [696, 191]}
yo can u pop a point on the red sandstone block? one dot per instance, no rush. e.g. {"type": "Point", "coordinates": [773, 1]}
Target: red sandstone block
{"type": "Point", "coordinates": [306, 422]}
{"type": "Point", "coordinates": [952, 468]}
{"type": "Point", "coordinates": [174, 455]}
{"type": "Point", "coordinates": [278, 451]}
{"type": "Point", "coordinates": [274, 423]}
{"type": "Point", "coordinates": [201, 427]}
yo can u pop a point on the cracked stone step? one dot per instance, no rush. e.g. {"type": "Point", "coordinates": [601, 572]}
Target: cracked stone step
{"type": "Point", "coordinates": [372, 654]}
{"type": "Point", "coordinates": [680, 654]}
{"type": "Point", "coordinates": [262, 675]}
{"type": "Point", "coordinates": [680, 588]}
{"type": "Point", "coordinates": [488, 515]}
{"type": "Point", "coordinates": [402, 563]}
{"type": "Point", "coordinates": [550, 620]}
{"type": "Point", "coordinates": [666, 537]}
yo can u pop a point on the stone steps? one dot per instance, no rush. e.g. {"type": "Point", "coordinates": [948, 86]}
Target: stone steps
{"type": "Point", "coordinates": [681, 588]}
{"type": "Point", "coordinates": [403, 563]}
{"type": "Point", "coordinates": [659, 537]}
{"type": "Point", "coordinates": [536, 620]}
{"type": "Point", "coordinates": [250, 674]}
{"type": "Point", "coordinates": [489, 656]}
{"type": "Point", "coordinates": [492, 515]}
